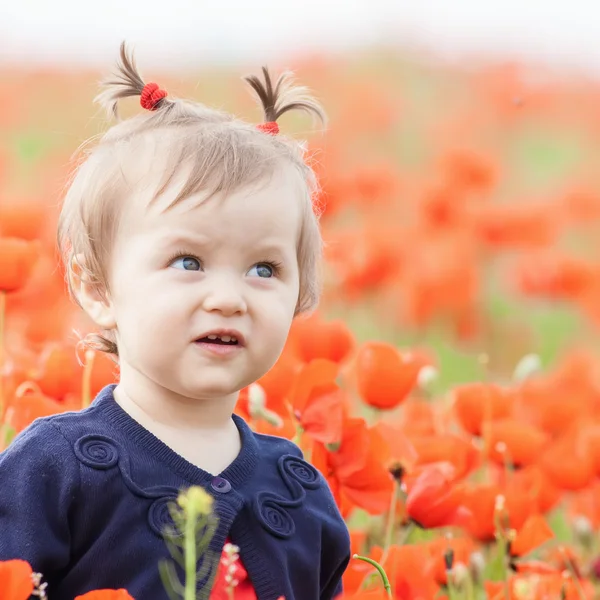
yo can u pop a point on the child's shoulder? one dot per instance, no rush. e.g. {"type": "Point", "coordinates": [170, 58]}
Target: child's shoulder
{"type": "Point", "coordinates": [275, 445]}
{"type": "Point", "coordinates": [47, 436]}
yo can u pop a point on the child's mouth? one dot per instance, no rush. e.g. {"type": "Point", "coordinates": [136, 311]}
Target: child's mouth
{"type": "Point", "coordinates": [216, 339]}
{"type": "Point", "coordinates": [221, 345]}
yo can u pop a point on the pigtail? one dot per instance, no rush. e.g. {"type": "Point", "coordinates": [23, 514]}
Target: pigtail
{"type": "Point", "coordinates": [127, 82]}
{"type": "Point", "coordinates": [283, 97]}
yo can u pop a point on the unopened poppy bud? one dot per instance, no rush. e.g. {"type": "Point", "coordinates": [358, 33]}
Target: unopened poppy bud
{"type": "Point", "coordinates": [257, 399]}
{"type": "Point", "coordinates": [272, 418]}
{"type": "Point", "coordinates": [477, 566]}
{"type": "Point", "coordinates": [397, 471]}
{"type": "Point", "coordinates": [527, 366]}
{"type": "Point", "coordinates": [449, 558]}
{"type": "Point", "coordinates": [499, 503]}
{"type": "Point", "coordinates": [583, 530]}
{"type": "Point", "coordinates": [459, 574]}
{"type": "Point", "coordinates": [427, 376]}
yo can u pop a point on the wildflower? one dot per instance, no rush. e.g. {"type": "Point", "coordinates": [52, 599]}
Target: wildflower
{"type": "Point", "coordinates": [230, 561]}
{"type": "Point", "coordinates": [120, 594]}
{"type": "Point", "coordinates": [385, 376]}
{"type": "Point", "coordinates": [16, 579]}
{"type": "Point", "coordinates": [434, 499]}
{"type": "Point", "coordinates": [195, 500]}
{"type": "Point", "coordinates": [18, 257]}
{"type": "Point", "coordinates": [477, 403]}
{"type": "Point", "coordinates": [29, 404]}
{"type": "Point", "coordinates": [312, 338]}
{"type": "Point", "coordinates": [318, 401]}
{"type": "Point", "coordinates": [357, 472]}
{"type": "Point", "coordinates": [533, 534]}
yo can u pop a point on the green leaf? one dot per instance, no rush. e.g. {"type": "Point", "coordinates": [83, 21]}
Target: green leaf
{"type": "Point", "coordinates": [557, 520]}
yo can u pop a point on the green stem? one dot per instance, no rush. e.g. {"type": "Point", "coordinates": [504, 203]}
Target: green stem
{"type": "Point", "coordinates": [470, 588]}
{"type": "Point", "coordinates": [298, 437]}
{"type": "Point", "coordinates": [573, 573]}
{"type": "Point", "coordinates": [389, 534]}
{"type": "Point", "coordinates": [450, 585]}
{"type": "Point", "coordinates": [190, 553]}
{"type": "Point", "coordinates": [380, 569]}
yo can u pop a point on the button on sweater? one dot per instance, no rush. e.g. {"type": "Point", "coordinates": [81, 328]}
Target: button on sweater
{"type": "Point", "coordinates": [84, 498]}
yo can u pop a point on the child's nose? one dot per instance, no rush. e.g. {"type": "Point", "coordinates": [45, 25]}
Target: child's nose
{"type": "Point", "coordinates": [224, 296]}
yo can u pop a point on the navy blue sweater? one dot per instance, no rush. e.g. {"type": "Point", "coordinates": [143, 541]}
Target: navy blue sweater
{"type": "Point", "coordinates": [84, 498]}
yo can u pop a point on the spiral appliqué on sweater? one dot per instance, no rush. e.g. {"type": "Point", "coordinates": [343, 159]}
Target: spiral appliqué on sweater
{"type": "Point", "coordinates": [159, 517]}
{"type": "Point", "coordinates": [101, 453]}
{"type": "Point", "coordinates": [301, 471]}
{"type": "Point", "coordinates": [96, 451]}
{"type": "Point", "coordinates": [274, 518]}
{"type": "Point", "coordinates": [272, 509]}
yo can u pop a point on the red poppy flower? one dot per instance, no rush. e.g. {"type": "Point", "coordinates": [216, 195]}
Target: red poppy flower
{"type": "Point", "coordinates": [356, 469]}
{"type": "Point", "coordinates": [314, 337]}
{"type": "Point", "coordinates": [534, 533]}
{"type": "Point", "coordinates": [318, 401]}
{"type": "Point", "coordinates": [385, 376]}
{"type": "Point", "coordinates": [477, 403]}
{"type": "Point", "coordinates": [106, 595]}
{"type": "Point", "coordinates": [16, 580]}
{"type": "Point", "coordinates": [435, 500]}
{"type": "Point", "coordinates": [17, 260]}
{"type": "Point", "coordinates": [25, 408]}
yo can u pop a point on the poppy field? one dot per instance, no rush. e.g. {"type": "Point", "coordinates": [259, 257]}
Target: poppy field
{"type": "Point", "coordinates": [448, 387]}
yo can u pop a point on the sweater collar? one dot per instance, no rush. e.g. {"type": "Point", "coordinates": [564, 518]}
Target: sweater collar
{"type": "Point", "coordinates": [237, 473]}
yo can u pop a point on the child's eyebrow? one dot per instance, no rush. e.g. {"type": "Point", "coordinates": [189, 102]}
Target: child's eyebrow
{"type": "Point", "coordinates": [172, 239]}
{"type": "Point", "coordinates": [271, 248]}
{"type": "Point", "coordinates": [182, 238]}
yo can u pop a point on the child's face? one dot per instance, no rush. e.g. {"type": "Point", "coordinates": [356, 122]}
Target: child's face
{"type": "Point", "coordinates": [179, 274]}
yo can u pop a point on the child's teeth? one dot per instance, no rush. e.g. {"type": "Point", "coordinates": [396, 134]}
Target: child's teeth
{"type": "Point", "coordinates": [212, 337]}
{"type": "Point", "coordinates": [233, 339]}
{"type": "Point", "coordinates": [225, 338]}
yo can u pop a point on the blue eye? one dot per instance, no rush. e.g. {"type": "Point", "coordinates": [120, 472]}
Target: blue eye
{"type": "Point", "coordinates": [187, 263]}
{"type": "Point", "coordinates": [263, 270]}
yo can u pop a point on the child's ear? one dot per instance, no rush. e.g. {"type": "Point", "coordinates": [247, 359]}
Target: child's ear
{"type": "Point", "coordinates": [91, 295]}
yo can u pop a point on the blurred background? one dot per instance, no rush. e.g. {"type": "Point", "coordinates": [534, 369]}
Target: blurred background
{"type": "Point", "coordinates": [460, 170]}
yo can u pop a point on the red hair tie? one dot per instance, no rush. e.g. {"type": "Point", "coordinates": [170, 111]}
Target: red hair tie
{"type": "Point", "coordinates": [151, 95]}
{"type": "Point", "coordinates": [269, 127]}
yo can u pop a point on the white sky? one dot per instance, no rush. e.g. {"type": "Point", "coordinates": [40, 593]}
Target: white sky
{"type": "Point", "coordinates": [187, 32]}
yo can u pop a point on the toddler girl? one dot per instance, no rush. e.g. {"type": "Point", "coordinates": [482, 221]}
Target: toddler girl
{"type": "Point", "coordinates": [190, 240]}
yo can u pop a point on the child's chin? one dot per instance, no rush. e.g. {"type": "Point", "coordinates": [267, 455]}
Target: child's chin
{"type": "Point", "coordinates": [208, 390]}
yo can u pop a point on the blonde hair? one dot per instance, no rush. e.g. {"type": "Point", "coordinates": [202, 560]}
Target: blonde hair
{"type": "Point", "coordinates": [213, 151]}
